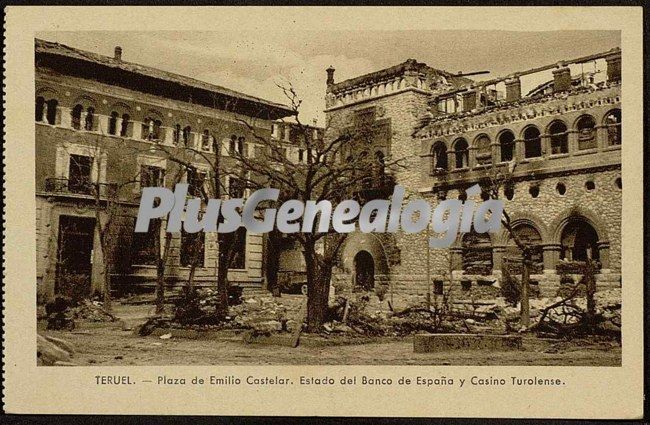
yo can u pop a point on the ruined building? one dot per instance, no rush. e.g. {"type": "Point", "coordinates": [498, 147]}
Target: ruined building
{"type": "Point", "coordinates": [103, 122]}
{"type": "Point", "coordinates": [560, 143]}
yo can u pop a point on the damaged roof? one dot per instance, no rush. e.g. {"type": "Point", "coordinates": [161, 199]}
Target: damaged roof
{"type": "Point", "coordinates": [394, 71]}
{"type": "Point", "coordinates": [48, 48]}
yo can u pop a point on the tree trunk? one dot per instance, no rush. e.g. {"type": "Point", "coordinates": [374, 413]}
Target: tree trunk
{"type": "Point", "coordinates": [160, 270]}
{"type": "Point", "coordinates": [525, 285]}
{"type": "Point", "coordinates": [590, 284]}
{"type": "Point", "coordinates": [318, 282]}
{"type": "Point", "coordinates": [222, 271]}
{"type": "Point", "coordinates": [273, 263]}
{"type": "Point", "coordinates": [107, 284]}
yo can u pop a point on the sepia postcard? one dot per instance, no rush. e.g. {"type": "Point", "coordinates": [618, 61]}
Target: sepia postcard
{"type": "Point", "coordinates": [347, 211]}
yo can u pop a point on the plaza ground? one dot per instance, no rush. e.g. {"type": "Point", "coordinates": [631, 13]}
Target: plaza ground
{"type": "Point", "coordinates": [116, 344]}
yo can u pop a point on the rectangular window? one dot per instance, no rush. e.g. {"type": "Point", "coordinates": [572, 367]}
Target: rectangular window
{"type": "Point", "coordinates": [80, 174]}
{"type": "Point", "coordinates": [236, 188]}
{"type": "Point", "coordinates": [192, 248]}
{"type": "Point", "coordinates": [196, 181]}
{"type": "Point", "coordinates": [145, 251]}
{"type": "Point", "coordinates": [151, 176]}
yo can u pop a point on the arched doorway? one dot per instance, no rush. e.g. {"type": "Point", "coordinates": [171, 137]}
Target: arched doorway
{"type": "Point", "coordinates": [530, 237]}
{"type": "Point", "coordinates": [364, 271]}
{"type": "Point", "coordinates": [579, 242]}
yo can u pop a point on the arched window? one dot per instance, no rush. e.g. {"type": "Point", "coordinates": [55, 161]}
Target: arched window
{"type": "Point", "coordinates": [40, 109]}
{"type": "Point", "coordinates": [187, 136]}
{"type": "Point", "coordinates": [177, 134]}
{"type": "Point", "coordinates": [507, 146]}
{"type": "Point", "coordinates": [125, 130]}
{"type": "Point", "coordinates": [530, 237]}
{"type": "Point", "coordinates": [76, 117]}
{"type": "Point", "coordinates": [151, 129]}
{"type": "Point", "coordinates": [613, 123]}
{"type": "Point", "coordinates": [559, 138]}
{"type": "Point", "coordinates": [89, 124]}
{"type": "Point", "coordinates": [52, 105]}
{"type": "Point", "coordinates": [232, 146]}
{"type": "Point", "coordinates": [206, 140]}
{"type": "Point", "coordinates": [241, 141]}
{"type": "Point", "coordinates": [112, 123]}
{"type": "Point", "coordinates": [439, 157]}
{"type": "Point", "coordinates": [586, 127]}
{"type": "Point", "coordinates": [461, 151]}
{"type": "Point", "coordinates": [483, 150]}
{"type": "Point", "coordinates": [477, 253]}
{"type": "Point", "coordinates": [532, 143]}
{"type": "Point", "coordinates": [579, 241]}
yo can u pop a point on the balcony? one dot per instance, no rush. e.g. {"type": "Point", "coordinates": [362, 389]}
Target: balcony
{"type": "Point", "coordinates": [79, 186]}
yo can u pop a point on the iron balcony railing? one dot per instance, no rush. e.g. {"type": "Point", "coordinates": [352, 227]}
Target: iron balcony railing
{"type": "Point", "coordinates": [78, 186]}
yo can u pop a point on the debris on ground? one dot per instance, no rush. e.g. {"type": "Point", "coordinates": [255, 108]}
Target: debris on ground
{"type": "Point", "coordinates": [51, 351]}
{"type": "Point", "coordinates": [62, 313]}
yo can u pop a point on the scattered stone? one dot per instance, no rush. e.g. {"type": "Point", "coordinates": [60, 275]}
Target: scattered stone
{"type": "Point", "coordinates": [166, 336]}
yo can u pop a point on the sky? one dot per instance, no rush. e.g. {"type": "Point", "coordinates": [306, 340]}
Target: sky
{"type": "Point", "coordinates": [255, 62]}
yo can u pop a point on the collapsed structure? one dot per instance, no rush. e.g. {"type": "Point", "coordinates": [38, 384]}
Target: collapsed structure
{"type": "Point", "coordinates": [560, 144]}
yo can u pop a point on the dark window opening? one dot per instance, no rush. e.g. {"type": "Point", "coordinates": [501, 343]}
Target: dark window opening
{"type": "Point", "coordinates": [195, 181]}
{"type": "Point", "coordinates": [438, 287]}
{"type": "Point", "coordinates": [76, 117]}
{"type": "Point", "coordinates": [534, 191]}
{"type": "Point", "coordinates": [187, 135]}
{"type": "Point", "coordinates": [439, 157]}
{"type": "Point", "coordinates": [80, 174]}
{"type": "Point", "coordinates": [112, 123]}
{"type": "Point", "coordinates": [52, 105]}
{"type": "Point", "coordinates": [205, 140]}
{"type": "Point", "coordinates": [507, 146]}
{"type": "Point", "coordinates": [532, 143]}
{"type": "Point", "coordinates": [124, 130]}
{"type": "Point", "coordinates": [559, 138]}
{"type": "Point", "coordinates": [461, 150]}
{"type": "Point", "coordinates": [151, 176]}
{"type": "Point", "coordinates": [619, 183]}
{"type": "Point", "coordinates": [586, 127]}
{"type": "Point", "coordinates": [89, 124]}
{"type": "Point", "coordinates": [590, 185]}
{"type": "Point", "coordinates": [613, 124]}
{"type": "Point", "coordinates": [579, 242]}
{"type": "Point", "coordinates": [40, 109]}
{"type": "Point", "coordinates": [509, 192]}
{"type": "Point", "coordinates": [151, 129]}
{"type": "Point", "coordinates": [561, 188]}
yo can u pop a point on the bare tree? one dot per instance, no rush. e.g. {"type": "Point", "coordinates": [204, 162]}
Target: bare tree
{"type": "Point", "coordinates": [498, 179]}
{"type": "Point", "coordinates": [339, 166]}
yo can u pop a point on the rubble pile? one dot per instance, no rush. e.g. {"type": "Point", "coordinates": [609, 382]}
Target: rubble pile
{"type": "Point", "coordinates": [61, 313]}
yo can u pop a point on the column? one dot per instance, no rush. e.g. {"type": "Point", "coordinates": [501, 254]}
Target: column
{"type": "Point", "coordinates": [572, 139]}
{"type": "Point", "coordinates": [137, 130]}
{"type": "Point", "coordinates": [545, 140]}
{"type": "Point", "coordinates": [451, 159]}
{"type": "Point", "coordinates": [118, 126]}
{"type": "Point", "coordinates": [519, 153]}
{"type": "Point", "coordinates": [82, 120]}
{"type": "Point", "coordinates": [614, 67]}
{"type": "Point", "coordinates": [66, 117]}
{"type": "Point", "coordinates": [602, 137]}
{"type": "Point", "coordinates": [551, 255]}
{"type": "Point", "coordinates": [43, 117]}
{"type": "Point", "coordinates": [603, 252]}
{"type": "Point", "coordinates": [497, 259]}
{"type": "Point", "coordinates": [456, 258]}
{"type": "Point", "coordinates": [102, 124]}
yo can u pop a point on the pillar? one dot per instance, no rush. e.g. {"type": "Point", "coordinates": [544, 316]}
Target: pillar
{"type": "Point", "coordinates": [456, 258]}
{"type": "Point", "coordinates": [561, 79]}
{"type": "Point", "coordinates": [603, 252]}
{"type": "Point", "coordinates": [551, 255]}
{"type": "Point", "coordinates": [118, 126]}
{"type": "Point", "coordinates": [137, 130]}
{"type": "Point", "coordinates": [614, 67]}
{"type": "Point", "coordinates": [102, 124]}
{"type": "Point", "coordinates": [469, 100]}
{"type": "Point", "coordinates": [513, 89]}
{"type": "Point", "coordinates": [66, 116]}
{"type": "Point", "coordinates": [43, 117]}
{"type": "Point", "coordinates": [497, 258]}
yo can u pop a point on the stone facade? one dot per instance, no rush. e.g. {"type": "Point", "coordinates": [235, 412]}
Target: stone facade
{"type": "Point", "coordinates": [564, 195]}
{"type": "Point", "coordinates": [122, 117]}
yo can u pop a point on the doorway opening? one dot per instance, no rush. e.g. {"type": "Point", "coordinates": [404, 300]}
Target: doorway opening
{"type": "Point", "coordinates": [74, 257]}
{"type": "Point", "coordinates": [364, 271]}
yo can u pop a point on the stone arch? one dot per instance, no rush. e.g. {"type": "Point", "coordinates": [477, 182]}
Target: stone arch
{"type": "Point", "coordinates": [121, 108]}
{"type": "Point", "coordinates": [439, 158]}
{"type": "Point", "coordinates": [532, 137]}
{"type": "Point", "coordinates": [524, 218]}
{"type": "Point", "coordinates": [576, 213]}
{"type": "Point", "coordinates": [482, 145]}
{"type": "Point", "coordinates": [48, 92]}
{"type": "Point", "coordinates": [86, 101]}
{"type": "Point", "coordinates": [356, 242]}
{"type": "Point", "coordinates": [506, 140]}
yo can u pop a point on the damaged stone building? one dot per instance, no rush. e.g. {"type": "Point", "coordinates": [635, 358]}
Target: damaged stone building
{"type": "Point", "coordinates": [101, 122]}
{"type": "Point", "coordinates": [560, 144]}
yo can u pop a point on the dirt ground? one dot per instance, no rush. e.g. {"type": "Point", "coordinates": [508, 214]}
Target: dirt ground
{"type": "Point", "coordinates": [113, 344]}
